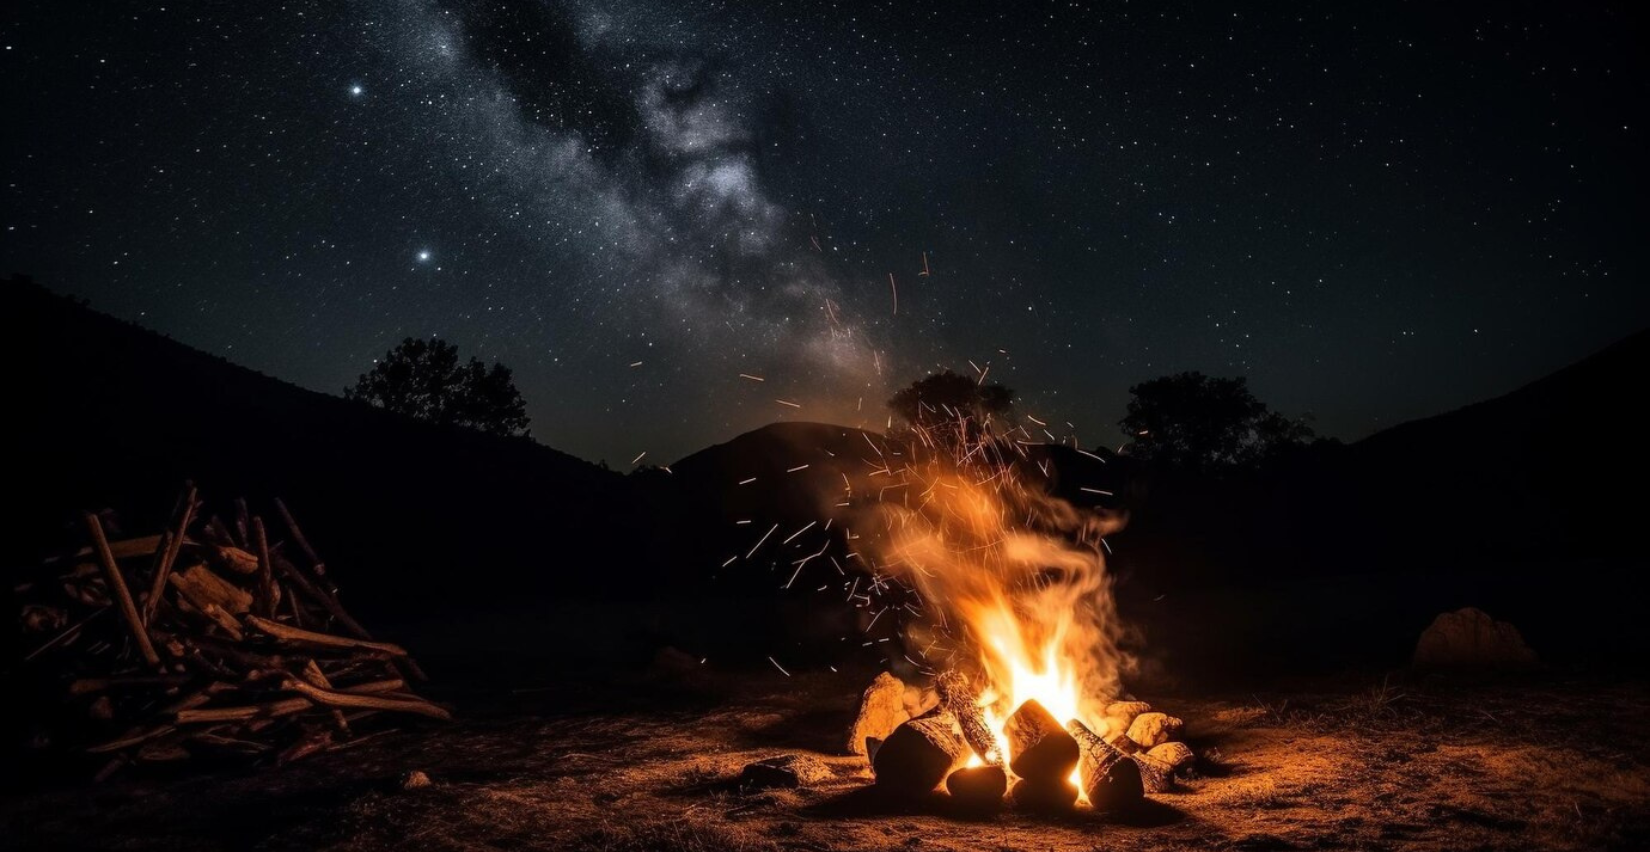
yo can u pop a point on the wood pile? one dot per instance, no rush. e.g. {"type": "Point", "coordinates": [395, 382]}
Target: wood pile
{"type": "Point", "coordinates": [208, 639]}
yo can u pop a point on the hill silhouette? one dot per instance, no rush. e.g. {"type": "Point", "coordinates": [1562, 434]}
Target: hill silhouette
{"type": "Point", "coordinates": [1335, 555]}
{"type": "Point", "coordinates": [419, 518]}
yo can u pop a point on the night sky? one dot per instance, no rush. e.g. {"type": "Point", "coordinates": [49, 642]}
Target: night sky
{"type": "Point", "coordinates": [1376, 212]}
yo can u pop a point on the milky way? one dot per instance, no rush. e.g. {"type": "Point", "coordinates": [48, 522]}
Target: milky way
{"type": "Point", "coordinates": [1375, 214]}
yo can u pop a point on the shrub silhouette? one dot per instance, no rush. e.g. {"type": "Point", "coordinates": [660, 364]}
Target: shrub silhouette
{"type": "Point", "coordinates": [423, 379]}
{"type": "Point", "coordinates": [1195, 422]}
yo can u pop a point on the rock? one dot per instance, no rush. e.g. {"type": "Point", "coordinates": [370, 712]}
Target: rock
{"type": "Point", "coordinates": [415, 780]}
{"type": "Point", "coordinates": [1470, 639]}
{"type": "Point", "coordinates": [1178, 756]}
{"type": "Point", "coordinates": [978, 788]}
{"type": "Point", "coordinates": [1038, 745]}
{"type": "Point", "coordinates": [787, 770]}
{"type": "Point", "coordinates": [1149, 730]}
{"type": "Point", "coordinates": [1121, 714]}
{"type": "Point", "coordinates": [1044, 796]}
{"type": "Point", "coordinates": [919, 754]}
{"type": "Point", "coordinates": [881, 710]}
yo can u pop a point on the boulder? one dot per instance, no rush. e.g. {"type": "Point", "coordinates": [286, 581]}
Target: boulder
{"type": "Point", "coordinates": [788, 771]}
{"type": "Point", "coordinates": [881, 710]}
{"type": "Point", "coordinates": [1149, 730]}
{"type": "Point", "coordinates": [1470, 639]}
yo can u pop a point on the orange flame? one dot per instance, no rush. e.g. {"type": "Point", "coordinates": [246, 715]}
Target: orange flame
{"type": "Point", "coordinates": [1013, 579]}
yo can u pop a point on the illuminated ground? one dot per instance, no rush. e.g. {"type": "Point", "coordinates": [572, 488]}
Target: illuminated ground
{"type": "Point", "coordinates": [1549, 765]}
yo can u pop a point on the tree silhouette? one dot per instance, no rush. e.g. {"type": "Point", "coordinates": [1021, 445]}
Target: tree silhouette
{"type": "Point", "coordinates": [1195, 422]}
{"type": "Point", "coordinates": [946, 397]}
{"type": "Point", "coordinates": [423, 379]}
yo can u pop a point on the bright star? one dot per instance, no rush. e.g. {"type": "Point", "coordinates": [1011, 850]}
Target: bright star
{"type": "Point", "coordinates": [356, 90]}
{"type": "Point", "coordinates": [424, 256]}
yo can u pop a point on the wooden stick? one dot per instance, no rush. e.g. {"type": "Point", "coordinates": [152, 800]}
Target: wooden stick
{"type": "Point", "coordinates": [265, 602]}
{"type": "Point", "coordinates": [298, 538]}
{"type": "Point", "coordinates": [245, 712]}
{"type": "Point", "coordinates": [131, 738]}
{"type": "Point", "coordinates": [117, 586]}
{"type": "Point", "coordinates": [67, 632]}
{"type": "Point", "coordinates": [376, 686]}
{"type": "Point", "coordinates": [337, 611]}
{"type": "Point", "coordinates": [313, 674]}
{"type": "Point", "coordinates": [158, 584]}
{"type": "Point", "coordinates": [373, 702]}
{"type": "Point", "coordinates": [293, 634]}
{"type": "Point", "coordinates": [322, 597]}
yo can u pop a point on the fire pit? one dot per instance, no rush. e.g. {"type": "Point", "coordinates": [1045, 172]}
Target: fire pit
{"type": "Point", "coordinates": [1003, 622]}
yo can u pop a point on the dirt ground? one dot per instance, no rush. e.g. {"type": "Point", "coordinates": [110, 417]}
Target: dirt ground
{"type": "Point", "coordinates": [1370, 764]}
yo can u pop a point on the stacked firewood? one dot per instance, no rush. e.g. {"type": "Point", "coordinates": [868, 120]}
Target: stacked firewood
{"type": "Point", "coordinates": [210, 638]}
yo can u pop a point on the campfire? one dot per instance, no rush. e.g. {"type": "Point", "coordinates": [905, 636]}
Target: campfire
{"type": "Point", "coordinates": [208, 639]}
{"type": "Point", "coordinates": [1009, 610]}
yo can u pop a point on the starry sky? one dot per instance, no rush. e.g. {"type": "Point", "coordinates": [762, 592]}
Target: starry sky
{"type": "Point", "coordinates": [1373, 211]}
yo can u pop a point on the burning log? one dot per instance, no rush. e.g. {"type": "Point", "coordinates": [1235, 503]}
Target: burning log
{"type": "Point", "coordinates": [919, 754]}
{"type": "Point", "coordinates": [978, 788]}
{"type": "Point", "coordinates": [1040, 749]}
{"type": "Point", "coordinates": [1110, 780]}
{"type": "Point", "coordinates": [205, 663]}
{"type": "Point", "coordinates": [957, 697]}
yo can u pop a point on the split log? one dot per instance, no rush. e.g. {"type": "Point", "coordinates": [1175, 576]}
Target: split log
{"type": "Point", "coordinates": [1109, 779]}
{"type": "Point", "coordinates": [958, 697]}
{"type": "Point", "coordinates": [125, 548]}
{"type": "Point", "coordinates": [978, 788]}
{"type": "Point", "coordinates": [196, 596]}
{"type": "Point", "coordinates": [919, 754]}
{"type": "Point", "coordinates": [1039, 749]}
{"type": "Point", "coordinates": [201, 585]}
{"type": "Point", "coordinates": [234, 559]}
{"type": "Point", "coordinates": [310, 637]}
{"type": "Point", "coordinates": [117, 587]}
{"type": "Point", "coordinates": [371, 702]}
